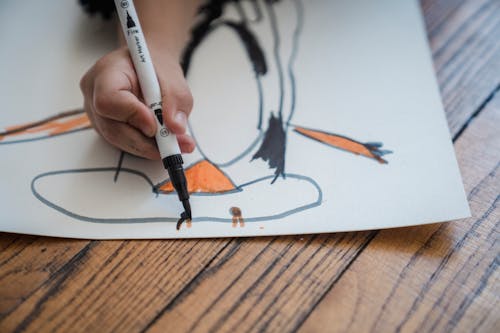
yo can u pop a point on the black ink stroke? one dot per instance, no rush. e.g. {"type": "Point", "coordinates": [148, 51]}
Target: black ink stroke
{"type": "Point", "coordinates": [252, 46]}
{"type": "Point", "coordinates": [273, 146]}
{"type": "Point", "coordinates": [119, 166]}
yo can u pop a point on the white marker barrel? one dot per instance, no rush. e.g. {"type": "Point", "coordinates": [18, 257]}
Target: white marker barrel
{"type": "Point", "coordinates": [166, 141]}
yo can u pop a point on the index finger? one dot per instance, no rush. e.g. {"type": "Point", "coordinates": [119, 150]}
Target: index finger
{"type": "Point", "coordinates": [114, 100]}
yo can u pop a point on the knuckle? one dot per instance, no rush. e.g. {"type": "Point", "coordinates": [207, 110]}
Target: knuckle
{"type": "Point", "coordinates": [83, 83]}
{"type": "Point", "coordinates": [185, 95]}
{"type": "Point", "coordinates": [184, 98]}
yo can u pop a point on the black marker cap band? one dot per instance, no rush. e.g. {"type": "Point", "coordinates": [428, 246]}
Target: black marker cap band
{"type": "Point", "coordinates": [172, 161]}
{"type": "Point", "coordinates": [173, 164]}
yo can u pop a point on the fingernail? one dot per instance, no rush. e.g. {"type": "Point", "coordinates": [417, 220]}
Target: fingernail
{"type": "Point", "coordinates": [181, 119]}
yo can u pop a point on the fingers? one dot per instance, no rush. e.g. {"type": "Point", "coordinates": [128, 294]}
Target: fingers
{"type": "Point", "coordinates": [186, 143]}
{"type": "Point", "coordinates": [113, 101]}
{"type": "Point", "coordinates": [129, 139]}
{"type": "Point", "coordinates": [126, 138]}
{"type": "Point", "coordinates": [177, 102]}
{"type": "Point", "coordinates": [122, 106]}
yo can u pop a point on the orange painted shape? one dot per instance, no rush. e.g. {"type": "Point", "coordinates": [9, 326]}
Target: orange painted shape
{"type": "Point", "coordinates": [339, 142]}
{"type": "Point", "coordinates": [203, 177]}
{"type": "Point", "coordinates": [53, 127]}
{"type": "Point", "coordinates": [70, 124]}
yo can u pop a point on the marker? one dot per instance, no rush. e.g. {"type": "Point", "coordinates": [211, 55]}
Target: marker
{"type": "Point", "coordinates": [166, 141]}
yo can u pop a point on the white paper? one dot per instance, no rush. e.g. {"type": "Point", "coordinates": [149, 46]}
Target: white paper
{"type": "Point", "coordinates": [362, 69]}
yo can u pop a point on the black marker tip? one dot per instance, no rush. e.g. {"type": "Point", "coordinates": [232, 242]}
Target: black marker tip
{"type": "Point", "coordinates": [187, 208]}
{"type": "Point", "coordinates": [173, 164]}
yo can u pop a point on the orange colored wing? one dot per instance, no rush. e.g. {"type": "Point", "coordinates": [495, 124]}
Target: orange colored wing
{"type": "Point", "coordinates": [56, 125]}
{"type": "Point", "coordinates": [370, 150]}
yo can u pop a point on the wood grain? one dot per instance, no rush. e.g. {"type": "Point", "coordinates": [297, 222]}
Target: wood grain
{"type": "Point", "coordinates": [26, 262]}
{"type": "Point", "coordinates": [269, 284]}
{"type": "Point", "coordinates": [466, 50]}
{"type": "Point", "coordinates": [116, 286]}
{"type": "Point", "coordinates": [434, 277]}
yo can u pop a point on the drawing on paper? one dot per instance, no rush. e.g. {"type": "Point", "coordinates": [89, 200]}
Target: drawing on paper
{"type": "Point", "coordinates": [60, 124]}
{"type": "Point", "coordinates": [208, 179]}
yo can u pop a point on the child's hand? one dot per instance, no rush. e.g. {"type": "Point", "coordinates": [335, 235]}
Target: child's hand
{"type": "Point", "coordinates": [113, 102]}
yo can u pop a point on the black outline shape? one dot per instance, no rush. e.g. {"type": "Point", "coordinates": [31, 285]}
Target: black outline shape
{"type": "Point", "coordinates": [258, 61]}
{"type": "Point", "coordinates": [66, 212]}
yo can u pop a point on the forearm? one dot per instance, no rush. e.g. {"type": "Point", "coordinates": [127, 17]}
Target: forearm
{"type": "Point", "coordinates": [166, 25]}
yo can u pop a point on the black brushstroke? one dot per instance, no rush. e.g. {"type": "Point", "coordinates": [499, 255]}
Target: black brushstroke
{"type": "Point", "coordinates": [273, 146]}
{"type": "Point", "coordinates": [252, 46]}
{"type": "Point", "coordinates": [106, 8]}
{"type": "Point", "coordinates": [210, 14]}
{"type": "Point", "coordinates": [119, 166]}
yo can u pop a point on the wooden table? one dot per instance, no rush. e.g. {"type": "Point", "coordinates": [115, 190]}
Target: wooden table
{"type": "Point", "coordinates": [440, 277]}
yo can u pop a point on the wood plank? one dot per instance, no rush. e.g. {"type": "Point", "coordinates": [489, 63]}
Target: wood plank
{"type": "Point", "coordinates": [262, 284]}
{"type": "Point", "coordinates": [431, 278]}
{"type": "Point", "coordinates": [26, 262]}
{"type": "Point", "coordinates": [466, 51]}
{"type": "Point", "coordinates": [438, 12]}
{"type": "Point", "coordinates": [117, 286]}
